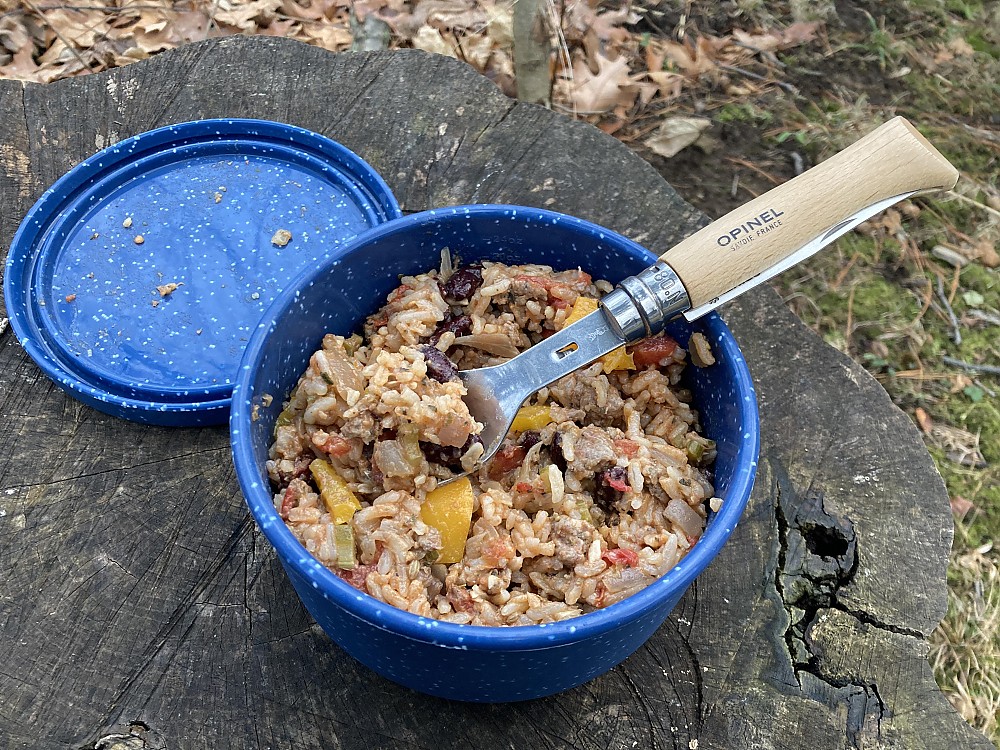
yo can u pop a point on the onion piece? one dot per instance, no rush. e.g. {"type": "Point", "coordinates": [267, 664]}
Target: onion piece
{"type": "Point", "coordinates": [686, 519]}
{"type": "Point", "coordinates": [390, 458]}
{"type": "Point", "coordinates": [497, 344]}
{"type": "Point", "coordinates": [339, 370]}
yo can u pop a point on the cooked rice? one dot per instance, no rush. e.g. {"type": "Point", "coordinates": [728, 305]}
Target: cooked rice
{"type": "Point", "coordinates": [588, 509]}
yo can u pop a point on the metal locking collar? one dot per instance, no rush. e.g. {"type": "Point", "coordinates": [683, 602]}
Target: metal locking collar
{"type": "Point", "coordinates": [642, 305]}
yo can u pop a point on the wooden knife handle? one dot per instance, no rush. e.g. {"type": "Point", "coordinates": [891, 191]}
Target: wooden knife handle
{"type": "Point", "coordinates": [890, 161]}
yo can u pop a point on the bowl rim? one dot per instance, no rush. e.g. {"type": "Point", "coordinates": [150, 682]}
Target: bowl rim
{"type": "Point", "coordinates": [481, 637]}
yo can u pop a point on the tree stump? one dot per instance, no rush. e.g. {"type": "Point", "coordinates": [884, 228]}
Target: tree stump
{"type": "Point", "coordinates": [142, 608]}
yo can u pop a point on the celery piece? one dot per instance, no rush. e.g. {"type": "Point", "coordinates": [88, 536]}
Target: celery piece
{"type": "Point", "coordinates": [343, 540]}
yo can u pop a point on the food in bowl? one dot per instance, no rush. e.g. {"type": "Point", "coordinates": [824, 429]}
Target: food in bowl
{"type": "Point", "coordinates": [602, 486]}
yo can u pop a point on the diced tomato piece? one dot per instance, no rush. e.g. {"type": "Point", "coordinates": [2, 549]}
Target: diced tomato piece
{"type": "Point", "coordinates": [653, 351]}
{"type": "Point", "coordinates": [288, 501]}
{"type": "Point", "coordinates": [618, 484]}
{"type": "Point", "coordinates": [626, 446]}
{"type": "Point", "coordinates": [558, 303]}
{"type": "Point", "coordinates": [507, 458]}
{"type": "Point", "coordinates": [524, 487]}
{"type": "Point", "coordinates": [335, 445]}
{"type": "Point", "coordinates": [621, 556]}
{"type": "Point", "coordinates": [356, 576]}
{"type": "Point", "coordinates": [692, 540]}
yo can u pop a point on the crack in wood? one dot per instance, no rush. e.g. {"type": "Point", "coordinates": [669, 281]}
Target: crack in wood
{"type": "Point", "coordinates": [115, 470]}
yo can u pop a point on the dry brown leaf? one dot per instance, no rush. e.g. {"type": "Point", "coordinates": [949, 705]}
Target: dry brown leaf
{"type": "Point", "coordinates": [607, 25]}
{"type": "Point", "coordinates": [602, 92]}
{"type": "Point", "coordinates": [670, 84]}
{"type": "Point", "coordinates": [316, 10]}
{"type": "Point", "coordinates": [13, 35]}
{"type": "Point", "coordinates": [293, 30]}
{"type": "Point", "coordinates": [476, 50]}
{"type": "Point", "coordinates": [802, 32]}
{"type": "Point", "coordinates": [429, 39]}
{"type": "Point", "coordinates": [246, 16]}
{"type": "Point", "coordinates": [779, 39]}
{"type": "Point", "coordinates": [986, 254]}
{"type": "Point", "coordinates": [500, 25]}
{"type": "Point", "coordinates": [960, 47]}
{"type": "Point", "coordinates": [695, 59]}
{"type": "Point", "coordinates": [981, 250]}
{"type": "Point", "coordinates": [655, 57]}
{"type": "Point", "coordinates": [335, 37]}
{"type": "Point", "coordinates": [22, 67]}
{"type": "Point", "coordinates": [960, 506]}
{"type": "Point", "coordinates": [675, 134]}
{"type": "Point", "coordinates": [82, 30]}
{"type": "Point", "coordinates": [923, 420]}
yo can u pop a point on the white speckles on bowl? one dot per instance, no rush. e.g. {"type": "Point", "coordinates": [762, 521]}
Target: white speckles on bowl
{"type": "Point", "coordinates": [137, 279]}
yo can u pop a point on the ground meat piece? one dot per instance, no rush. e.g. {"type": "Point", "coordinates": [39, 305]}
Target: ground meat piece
{"type": "Point", "coordinates": [594, 450]}
{"type": "Point", "coordinates": [462, 284]}
{"type": "Point", "coordinates": [460, 598]}
{"type": "Point", "coordinates": [439, 366]}
{"type": "Point", "coordinates": [601, 405]}
{"type": "Point", "coordinates": [460, 325]}
{"type": "Point", "coordinates": [573, 538]}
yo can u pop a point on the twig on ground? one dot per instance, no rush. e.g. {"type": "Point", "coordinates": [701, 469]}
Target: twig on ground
{"type": "Point", "coordinates": [954, 286]}
{"type": "Point", "coordinates": [971, 366]}
{"type": "Point", "coordinates": [986, 135]}
{"type": "Point", "coordinates": [750, 165]}
{"type": "Point", "coordinates": [766, 54]}
{"type": "Point", "coordinates": [797, 165]}
{"type": "Point", "coordinates": [956, 333]}
{"type": "Point", "coordinates": [843, 273]}
{"type": "Point", "coordinates": [984, 316]}
{"type": "Point", "coordinates": [989, 391]}
{"type": "Point", "coordinates": [965, 199]}
{"type": "Point", "coordinates": [849, 326]}
{"type": "Point", "coordinates": [735, 186]}
{"type": "Point", "coordinates": [758, 77]}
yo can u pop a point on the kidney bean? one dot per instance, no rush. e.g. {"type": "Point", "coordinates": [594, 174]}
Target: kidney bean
{"type": "Point", "coordinates": [460, 325]}
{"type": "Point", "coordinates": [439, 366]}
{"type": "Point", "coordinates": [463, 283]}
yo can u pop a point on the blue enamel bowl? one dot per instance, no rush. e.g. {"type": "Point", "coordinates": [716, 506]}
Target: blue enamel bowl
{"type": "Point", "coordinates": [466, 662]}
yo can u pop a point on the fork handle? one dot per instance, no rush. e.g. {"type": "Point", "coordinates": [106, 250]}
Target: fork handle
{"type": "Point", "coordinates": [893, 160]}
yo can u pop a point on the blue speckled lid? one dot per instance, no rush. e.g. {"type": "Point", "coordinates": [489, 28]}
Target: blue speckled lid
{"type": "Point", "coordinates": [138, 277]}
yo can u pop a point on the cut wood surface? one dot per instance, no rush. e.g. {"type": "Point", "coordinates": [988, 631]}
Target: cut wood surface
{"type": "Point", "coordinates": [141, 608]}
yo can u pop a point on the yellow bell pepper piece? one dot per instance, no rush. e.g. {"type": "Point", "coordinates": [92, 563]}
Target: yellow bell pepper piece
{"type": "Point", "coordinates": [532, 417]}
{"type": "Point", "coordinates": [340, 502]}
{"type": "Point", "coordinates": [582, 306]}
{"type": "Point", "coordinates": [619, 359]}
{"type": "Point", "coordinates": [449, 510]}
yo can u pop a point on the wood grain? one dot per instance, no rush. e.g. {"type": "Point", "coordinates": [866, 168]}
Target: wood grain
{"type": "Point", "coordinates": [140, 607]}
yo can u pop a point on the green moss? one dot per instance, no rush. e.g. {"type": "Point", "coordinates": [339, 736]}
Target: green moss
{"type": "Point", "coordinates": [746, 112]}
